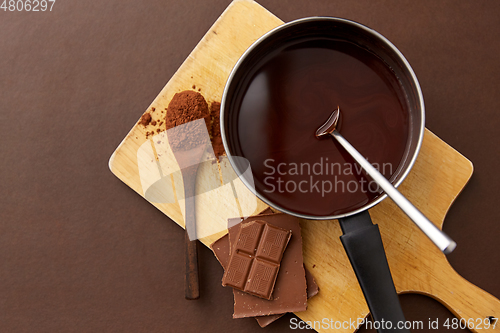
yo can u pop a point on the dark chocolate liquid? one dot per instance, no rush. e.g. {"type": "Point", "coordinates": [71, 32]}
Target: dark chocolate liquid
{"type": "Point", "coordinates": [294, 93]}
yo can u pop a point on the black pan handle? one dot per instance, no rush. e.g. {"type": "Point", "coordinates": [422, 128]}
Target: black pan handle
{"type": "Point", "coordinates": [364, 247]}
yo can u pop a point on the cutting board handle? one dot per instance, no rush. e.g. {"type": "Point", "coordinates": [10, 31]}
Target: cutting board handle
{"type": "Point", "coordinates": [468, 302]}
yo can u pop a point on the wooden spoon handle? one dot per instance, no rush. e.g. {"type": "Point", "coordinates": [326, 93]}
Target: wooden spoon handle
{"type": "Point", "coordinates": [192, 287]}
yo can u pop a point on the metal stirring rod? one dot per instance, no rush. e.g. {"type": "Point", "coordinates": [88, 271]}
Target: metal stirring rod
{"type": "Point", "coordinates": [438, 237]}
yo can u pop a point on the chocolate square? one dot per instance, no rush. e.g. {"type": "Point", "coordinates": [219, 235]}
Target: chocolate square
{"type": "Point", "coordinates": [237, 272]}
{"type": "Point", "coordinates": [273, 243]}
{"type": "Point", "coordinates": [260, 281]}
{"type": "Point", "coordinates": [249, 237]}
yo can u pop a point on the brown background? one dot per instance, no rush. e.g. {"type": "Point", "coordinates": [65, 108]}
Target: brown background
{"type": "Point", "coordinates": [81, 252]}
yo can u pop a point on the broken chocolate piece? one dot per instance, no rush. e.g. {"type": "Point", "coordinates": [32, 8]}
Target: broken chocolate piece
{"type": "Point", "coordinates": [221, 250]}
{"type": "Point", "coordinates": [312, 286]}
{"type": "Point", "coordinates": [255, 259]}
{"type": "Point", "coordinates": [312, 290]}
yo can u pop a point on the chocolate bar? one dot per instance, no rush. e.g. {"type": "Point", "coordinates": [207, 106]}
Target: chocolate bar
{"type": "Point", "coordinates": [255, 259]}
{"type": "Point", "coordinates": [220, 249]}
{"type": "Point", "coordinates": [290, 294]}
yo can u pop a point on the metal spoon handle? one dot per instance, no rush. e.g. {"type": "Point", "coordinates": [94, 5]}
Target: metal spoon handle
{"type": "Point", "coordinates": [438, 237]}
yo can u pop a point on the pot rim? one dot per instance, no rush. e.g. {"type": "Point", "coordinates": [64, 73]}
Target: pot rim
{"type": "Point", "coordinates": [369, 31]}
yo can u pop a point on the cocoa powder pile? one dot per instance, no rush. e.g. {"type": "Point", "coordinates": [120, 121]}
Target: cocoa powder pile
{"type": "Point", "coordinates": [185, 107]}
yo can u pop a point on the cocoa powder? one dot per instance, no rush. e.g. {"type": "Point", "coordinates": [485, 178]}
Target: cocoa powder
{"type": "Point", "coordinates": [145, 119]}
{"type": "Point", "coordinates": [216, 135]}
{"type": "Point", "coordinates": [184, 108]}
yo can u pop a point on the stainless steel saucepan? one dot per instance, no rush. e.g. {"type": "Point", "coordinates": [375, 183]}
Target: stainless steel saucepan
{"type": "Point", "coordinates": [361, 239]}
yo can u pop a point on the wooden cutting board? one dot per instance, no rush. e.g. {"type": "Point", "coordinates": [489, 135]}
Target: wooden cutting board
{"type": "Point", "coordinates": [147, 165]}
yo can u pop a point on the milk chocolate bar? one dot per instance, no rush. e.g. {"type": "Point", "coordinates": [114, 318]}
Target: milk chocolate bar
{"type": "Point", "coordinates": [267, 312]}
{"type": "Point", "coordinates": [255, 258]}
{"type": "Point", "coordinates": [220, 249]}
{"type": "Point", "coordinates": [290, 293]}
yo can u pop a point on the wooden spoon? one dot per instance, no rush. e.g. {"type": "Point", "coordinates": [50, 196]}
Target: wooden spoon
{"type": "Point", "coordinates": [188, 142]}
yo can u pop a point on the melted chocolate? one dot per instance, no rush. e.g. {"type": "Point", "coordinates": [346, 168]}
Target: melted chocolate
{"type": "Point", "coordinates": [291, 95]}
